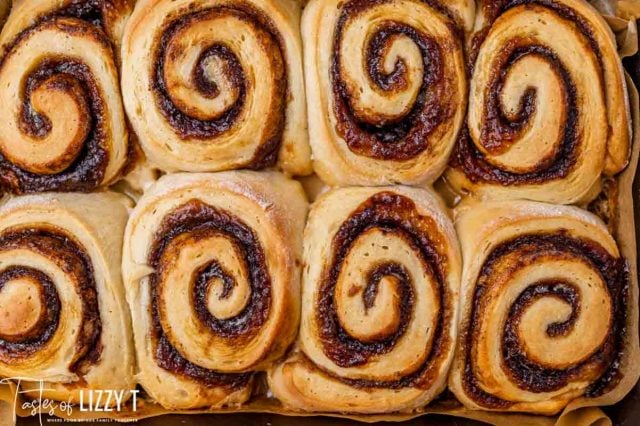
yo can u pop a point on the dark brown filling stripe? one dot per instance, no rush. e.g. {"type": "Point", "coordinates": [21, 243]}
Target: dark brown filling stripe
{"type": "Point", "coordinates": [499, 132]}
{"type": "Point", "coordinates": [528, 375]}
{"type": "Point", "coordinates": [492, 9]}
{"type": "Point", "coordinates": [71, 258]}
{"type": "Point", "coordinates": [47, 323]}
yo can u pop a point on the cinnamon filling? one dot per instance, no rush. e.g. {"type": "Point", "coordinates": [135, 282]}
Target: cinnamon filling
{"type": "Point", "coordinates": [394, 214]}
{"type": "Point", "coordinates": [188, 125]}
{"type": "Point", "coordinates": [525, 373]}
{"type": "Point", "coordinates": [192, 221]}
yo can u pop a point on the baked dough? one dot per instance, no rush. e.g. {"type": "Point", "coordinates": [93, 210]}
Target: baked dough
{"type": "Point", "coordinates": [211, 268]}
{"type": "Point", "coordinates": [379, 304]}
{"type": "Point", "coordinates": [548, 108]}
{"type": "Point", "coordinates": [214, 85]}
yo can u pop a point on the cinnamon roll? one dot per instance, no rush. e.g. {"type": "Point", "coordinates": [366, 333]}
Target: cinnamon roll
{"type": "Point", "coordinates": [379, 303]}
{"type": "Point", "coordinates": [214, 85]}
{"type": "Point", "coordinates": [64, 316]}
{"type": "Point", "coordinates": [63, 123]}
{"type": "Point", "coordinates": [386, 87]}
{"type": "Point", "coordinates": [545, 294]}
{"type": "Point", "coordinates": [548, 108]}
{"type": "Point", "coordinates": [211, 267]}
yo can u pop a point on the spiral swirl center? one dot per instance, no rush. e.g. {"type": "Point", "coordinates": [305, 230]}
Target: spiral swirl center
{"type": "Point", "coordinates": [29, 304]}
{"type": "Point", "coordinates": [211, 292]}
{"type": "Point", "coordinates": [217, 295]}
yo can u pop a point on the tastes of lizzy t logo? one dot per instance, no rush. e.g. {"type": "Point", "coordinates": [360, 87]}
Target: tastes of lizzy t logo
{"type": "Point", "coordinates": [99, 401]}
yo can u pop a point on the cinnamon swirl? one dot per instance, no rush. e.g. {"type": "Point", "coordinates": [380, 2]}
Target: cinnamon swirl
{"type": "Point", "coordinates": [211, 265]}
{"type": "Point", "coordinates": [548, 108]}
{"type": "Point", "coordinates": [544, 308]}
{"type": "Point", "coordinates": [379, 304]}
{"type": "Point", "coordinates": [217, 85]}
{"type": "Point", "coordinates": [386, 87]}
{"type": "Point", "coordinates": [64, 316]}
{"type": "Point", "coordinates": [63, 125]}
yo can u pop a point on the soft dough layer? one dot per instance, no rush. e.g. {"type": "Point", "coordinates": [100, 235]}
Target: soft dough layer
{"type": "Point", "coordinates": [211, 267]}
{"type": "Point", "coordinates": [544, 308]}
{"type": "Point", "coordinates": [379, 303]}
{"type": "Point", "coordinates": [64, 315]}
{"type": "Point", "coordinates": [548, 108]}
{"type": "Point", "coordinates": [217, 85]}
{"type": "Point", "coordinates": [386, 87]}
{"type": "Point", "coordinates": [63, 126]}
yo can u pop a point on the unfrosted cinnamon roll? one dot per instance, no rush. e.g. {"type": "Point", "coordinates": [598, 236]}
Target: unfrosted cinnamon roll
{"type": "Point", "coordinates": [64, 316]}
{"type": "Point", "coordinates": [211, 266]}
{"type": "Point", "coordinates": [545, 294]}
{"type": "Point", "coordinates": [379, 304]}
{"type": "Point", "coordinates": [386, 87]}
{"type": "Point", "coordinates": [548, 109]}
{"type": "Point", "coordinates": [63, 126]}
{"type": "Point", "coordinates": [217, 85]}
